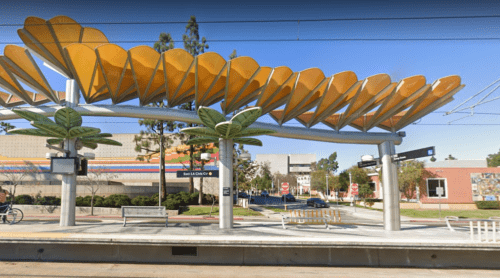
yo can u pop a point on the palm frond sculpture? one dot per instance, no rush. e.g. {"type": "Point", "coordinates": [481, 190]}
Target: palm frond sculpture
{"type": "Point", "coordinates": [67, 124]}
{"type": "Point", "coordinates": [217, 126]}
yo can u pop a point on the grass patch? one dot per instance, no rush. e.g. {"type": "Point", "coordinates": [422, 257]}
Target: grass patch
{"type": "Point", "coordinates": [275, 209]}
{"type": "Point", "coordinates": [237, 211]}
{"type": "Point", "coordinates": [434, 213]}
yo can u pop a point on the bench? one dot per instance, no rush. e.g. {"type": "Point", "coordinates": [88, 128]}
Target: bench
{"type": "Point", "coordinates": [312, 217]}
{"type": "Point", "coordinates": [144, 212]}
{"type": "Point", "coordinates": [480, 223]}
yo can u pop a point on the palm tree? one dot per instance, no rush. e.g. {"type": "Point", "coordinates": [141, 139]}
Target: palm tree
{"type": "Point", "coordinates": [67, 124]}
{"type": "Point", "coordinates": [217, 127]}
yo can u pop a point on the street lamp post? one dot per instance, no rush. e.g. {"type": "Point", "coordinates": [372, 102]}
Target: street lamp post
{"type": "Point", "coordinates": [327, 187]}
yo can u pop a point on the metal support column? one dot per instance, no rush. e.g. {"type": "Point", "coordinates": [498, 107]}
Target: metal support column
{"type": "Point", "coordinates": [68, 188]}
{"type": "Point", "coordinates": [226, 184]}
{"type": "Point", "coordinates": [392, 221]}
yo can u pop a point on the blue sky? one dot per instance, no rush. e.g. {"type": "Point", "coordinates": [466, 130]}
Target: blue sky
{"type": "Point", "coordinates": [477, 62]}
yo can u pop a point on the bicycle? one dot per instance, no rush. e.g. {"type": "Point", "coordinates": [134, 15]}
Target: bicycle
{"type": "Point", "coordinates": [10, 215]}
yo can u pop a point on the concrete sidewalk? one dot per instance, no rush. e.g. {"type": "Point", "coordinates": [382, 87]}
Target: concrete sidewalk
{"type": "Point", "coordinates": [248, 243]}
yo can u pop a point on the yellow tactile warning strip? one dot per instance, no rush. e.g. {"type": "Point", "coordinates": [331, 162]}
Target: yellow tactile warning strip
{"type": "Point", "coordinates": [33, 235]}
{"type": "Point", "coordinates": [107, 71]}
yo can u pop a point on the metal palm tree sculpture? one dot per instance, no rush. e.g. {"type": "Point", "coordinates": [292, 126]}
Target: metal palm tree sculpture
{"type": "Point", "coordinates": [218, 127]}
{"type": "Point", "coordinates": [67, 124]}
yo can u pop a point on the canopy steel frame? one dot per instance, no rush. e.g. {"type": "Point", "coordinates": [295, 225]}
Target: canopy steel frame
{"type": "Point", "coordinates": [171, 114]}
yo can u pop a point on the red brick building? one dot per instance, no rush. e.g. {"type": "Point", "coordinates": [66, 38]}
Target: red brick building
{"type": "Point", "coordinates": [462, 182]}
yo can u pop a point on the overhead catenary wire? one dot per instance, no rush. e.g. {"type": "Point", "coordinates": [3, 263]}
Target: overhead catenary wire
{"type": "Point", "coordinates": [275, 40]}
{"type": "Point", "coordinates": [266, 20]}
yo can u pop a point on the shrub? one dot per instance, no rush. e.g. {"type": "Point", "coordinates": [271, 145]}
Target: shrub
{"type": "Point", "coordinates": [483, 204]}
{"type": "Point", "coordinates": [172, 204]}
{"type": "Point", "coordinates": [24, 200]}
{"type": "Point", "coordinates": [143, 201]}
{"type": "Point", "coordinates": [208, 199]}
{"type": "Point", "coordinates": [373, 200]}
{"type": "Point", "coordinates": [48, 201]}
{"type": "Point", "coordinates": [154, 198]}
{"type": "Point", "coordinates": [98, 201]}
{"type": "Point", "coordinates": [117, 200]}
{"type": "Point", "coordinates": [79, 202]}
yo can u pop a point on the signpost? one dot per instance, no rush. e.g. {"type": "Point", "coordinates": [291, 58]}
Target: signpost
{"type": "Point", "coordinates": [284, 191]}
{"type": "Point", "coordinates": [354, 192]}
{"type": "Point", "coordinates": [364, 164]}
{"type": "Point", "coordinates": [439, 191]}
{"type": "Point", "coordinates": [429, 151]}
{"type": "Point", "coordinates": [354, 189]}
{"type": "Point", "coordinates": [284, 188]}
{"type": "Point", "coordinates": [198, 174]}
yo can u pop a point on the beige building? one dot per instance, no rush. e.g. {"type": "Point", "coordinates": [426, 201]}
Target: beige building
{"type": "Point", "coordinates": [123, 174]}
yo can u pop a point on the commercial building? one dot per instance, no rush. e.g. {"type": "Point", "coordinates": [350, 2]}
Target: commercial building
{"type": "Point", "coordinates": [296, 164]}
{"type": "Point", "coordinates": [462, 182]}
{"type": "Point", "coordinates": [121, 172]}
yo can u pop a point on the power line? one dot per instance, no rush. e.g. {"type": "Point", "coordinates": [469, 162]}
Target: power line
{"type": "Point", "coordinates": [479, 113]}
{"type": "Point", "coordinates": [280, 40]}
{"type": "Point", "coordinates": [458, 124]}
{"type": "Point", "coordinates": [266, 20]}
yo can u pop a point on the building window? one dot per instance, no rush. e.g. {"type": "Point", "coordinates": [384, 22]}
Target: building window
{"type": "Point", "coordinates": [373, 186]}
{"type": "Point", "coordinates": [433, 184]}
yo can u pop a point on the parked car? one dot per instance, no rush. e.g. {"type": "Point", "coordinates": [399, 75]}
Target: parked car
{"type": "Point", "coordinates": [289, 198]}
{"type": "Point", "coordinates": [264, 194]}
{"type": "Point", "coordinates": [243, 195]}
{"type": "Point", "coordinates": [317, 203]}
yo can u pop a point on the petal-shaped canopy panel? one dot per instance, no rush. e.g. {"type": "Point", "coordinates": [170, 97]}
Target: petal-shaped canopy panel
{"type": "Point", "coordinates": [107, 71]}
{"type": "Point", "coordinates": [47, 39]}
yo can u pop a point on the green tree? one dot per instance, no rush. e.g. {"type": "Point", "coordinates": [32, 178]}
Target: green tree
{"type": "Point", "coordinates": [264, 179]}
{"type": "Point", "coordinates": [318, 180]}
{"type": "Point", "coordinates": [359, 176]}
{"type": "Point", "coordinates": [365, 191]}
{"type": "Point", "coordinates": [343, 181]}
{"type": "Point", "coordinates": [157, 134]}
{"type": "Point", "coordinates": [233, 55]}
{"type": "Point", "coordinates": [329, 164]}
{"type": "Point", "coordinates": [154, 140]}
{"type": "Point", "coordinates": [433, 159]}
{"type": "Point", "coordinates": [164, 43]}
{"type": "Point", "coordinates": [412, 174]}
{"type": "Point", "coordinates": [5, 127]}
{"type": "Point", "coordinates": [194, 46]}
{"type": "Point", "coordinates": [244, 170]}
{"type": "Point", "coordinates": [493, 159]}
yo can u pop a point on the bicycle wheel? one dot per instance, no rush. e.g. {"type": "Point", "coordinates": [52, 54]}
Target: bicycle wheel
{"type": "Point", "coordinates": [15, 212]}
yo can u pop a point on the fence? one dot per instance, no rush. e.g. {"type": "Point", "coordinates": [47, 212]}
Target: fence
{"type": "Point", "coordinates": [334, 215]}
{"type": "Point", "coordinates": [481, 230]}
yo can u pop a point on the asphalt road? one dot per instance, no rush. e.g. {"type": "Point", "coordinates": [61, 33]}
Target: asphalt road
{"type": "Point", "coordinates": [47, 269]}
{"type": "Point", "coordinates": [347, 217]}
